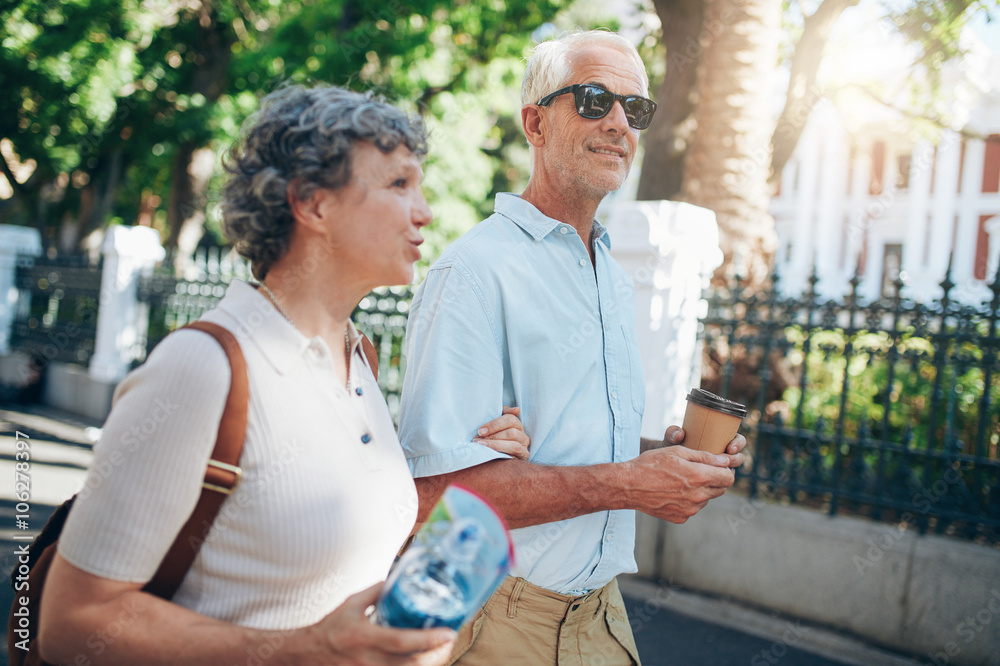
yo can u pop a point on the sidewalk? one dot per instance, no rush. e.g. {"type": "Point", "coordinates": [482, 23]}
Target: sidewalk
{"type": "Point", "coordinates": [672, 626]}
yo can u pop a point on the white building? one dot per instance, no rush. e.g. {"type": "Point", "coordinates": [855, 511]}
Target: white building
{"type": "Point", "coordinates": [872, 195]}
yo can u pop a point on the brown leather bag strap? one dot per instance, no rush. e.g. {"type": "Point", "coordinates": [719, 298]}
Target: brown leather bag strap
{"type": "Point", "coordinates": [221, 477]}
{"type": "Point", "coordinates": [369, 349]}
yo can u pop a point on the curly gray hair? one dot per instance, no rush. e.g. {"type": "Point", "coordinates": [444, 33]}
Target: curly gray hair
{"type": "Point", "coordinates": [306, 136]}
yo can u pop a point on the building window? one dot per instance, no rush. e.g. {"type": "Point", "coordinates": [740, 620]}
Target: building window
{"type": "Point", "coordinates": [991, 165]}
{"type": "Point", "coordinates": [878, 168]}
{"type": "Point", "coordinates": [892, 262]}
{"type": "Point", "coordinates": [903, 172]}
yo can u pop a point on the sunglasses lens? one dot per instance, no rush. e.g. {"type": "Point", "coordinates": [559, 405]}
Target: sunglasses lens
{"type": "Point", "coordinates": [593, 102]}
{"type": "Point", "coordinates": [639, 112]}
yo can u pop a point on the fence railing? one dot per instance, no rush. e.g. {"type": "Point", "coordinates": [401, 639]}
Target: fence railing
{"type": "Point", "coordinates": [886, 409]}
{"type": "Point", "coordinates": [55, 317]}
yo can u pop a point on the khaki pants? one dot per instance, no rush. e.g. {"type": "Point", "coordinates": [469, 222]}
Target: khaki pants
{"type": "Point", "coordinates": [526, 625]}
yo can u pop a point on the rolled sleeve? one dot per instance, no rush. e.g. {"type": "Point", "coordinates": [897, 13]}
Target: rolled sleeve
{"type": "Point", "coordinates": [454, 378]}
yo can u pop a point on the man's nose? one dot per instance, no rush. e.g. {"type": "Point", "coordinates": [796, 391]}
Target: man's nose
{"type": "Point", "coordinates": [615, 118]}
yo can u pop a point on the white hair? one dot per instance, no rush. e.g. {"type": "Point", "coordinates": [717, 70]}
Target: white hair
{"type": "Point", "coordinates": [548, 67]}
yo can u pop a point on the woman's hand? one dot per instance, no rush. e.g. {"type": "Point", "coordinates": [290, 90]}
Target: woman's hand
{"type": "Point", "coordinates": [79, 608]}
{"type": "Point", "coordinates": [506, 434]}
{"type": "Point", "coordinates": [351, 638]}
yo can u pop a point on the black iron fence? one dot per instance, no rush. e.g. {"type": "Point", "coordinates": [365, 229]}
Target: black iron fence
{"type": "Point", "coordinates": [886, 409]}
{"type": "Point", "coordinates": [56, 312]}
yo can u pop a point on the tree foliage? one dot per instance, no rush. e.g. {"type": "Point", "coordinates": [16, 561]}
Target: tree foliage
{"type": "Point", "coordinates": [117, 108]}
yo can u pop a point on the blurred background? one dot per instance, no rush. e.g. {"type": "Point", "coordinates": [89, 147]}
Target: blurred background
{"type": "Point", "coordinates": [119, 112]}
{"type": "Point", "coordinates": [812, 225]}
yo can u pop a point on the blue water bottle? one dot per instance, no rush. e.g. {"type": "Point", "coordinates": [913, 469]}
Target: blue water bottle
{"type": "Point", "coordinates": [455, 563]}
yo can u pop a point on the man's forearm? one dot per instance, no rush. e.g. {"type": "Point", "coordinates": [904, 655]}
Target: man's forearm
{"type": "Point", "coordinates": [669, 482]}
{"type": "Point", "coordinates": [527, 494]}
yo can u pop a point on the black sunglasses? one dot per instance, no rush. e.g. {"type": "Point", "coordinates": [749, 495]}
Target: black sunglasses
{"type": "Point", "coordinates": [595, 102]}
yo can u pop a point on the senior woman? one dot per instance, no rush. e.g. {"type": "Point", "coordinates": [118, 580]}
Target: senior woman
{"type": "Point", "coordinates": [324, 198]}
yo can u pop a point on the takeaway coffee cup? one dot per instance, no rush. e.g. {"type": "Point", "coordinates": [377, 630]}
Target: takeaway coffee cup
{"type": "Point", "coordinates": [711, 421]}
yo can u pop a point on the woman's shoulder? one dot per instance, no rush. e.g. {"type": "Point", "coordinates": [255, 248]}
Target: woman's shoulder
{"type": "Point", "coordinates": [186, 357]}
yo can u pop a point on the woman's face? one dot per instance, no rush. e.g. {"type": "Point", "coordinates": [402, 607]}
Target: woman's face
{"type": "Point", "coordinates": [375, 219]}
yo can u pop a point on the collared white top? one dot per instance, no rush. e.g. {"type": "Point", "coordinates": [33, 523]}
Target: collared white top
{"type": "Point", "coordinates": [514, 313]}
{"type": "Point", "coordinates": [326, 498]}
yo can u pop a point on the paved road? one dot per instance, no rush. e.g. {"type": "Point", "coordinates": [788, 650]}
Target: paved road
{"type": "Point", "coordinates": [672, 626]}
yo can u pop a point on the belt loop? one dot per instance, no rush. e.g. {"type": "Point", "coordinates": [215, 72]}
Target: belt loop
{"type": "Point", "coordinates": [515, 594]}
{"type": "Point", "coordinates": [602, 598]}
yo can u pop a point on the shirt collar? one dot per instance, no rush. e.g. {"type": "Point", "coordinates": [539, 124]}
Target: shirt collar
{"type": "Point", "coordinates": [534, 222]}
{"type": "Point", "coordinates": [260, 322]}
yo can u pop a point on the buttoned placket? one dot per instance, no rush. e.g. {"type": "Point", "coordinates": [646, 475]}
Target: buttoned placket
{"type": "Point", "coordinates": [348, 402]}
{"type": "Point", "coordinates": [611, 362]}
{"type": "Point", "coordinates": [599, 283]}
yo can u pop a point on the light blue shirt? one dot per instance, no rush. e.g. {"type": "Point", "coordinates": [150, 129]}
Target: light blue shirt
{"type": "Point", "coordinates": [514, 313]}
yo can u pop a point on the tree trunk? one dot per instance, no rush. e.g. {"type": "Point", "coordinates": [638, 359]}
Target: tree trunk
{"type": "Point", "coordinates": [729, 160]}
{"type": "Point", "coordinates": [803, 93]}
{"type": "Point", "coordinates": [185, 210]}
{"type": "Point", "coordinates": [183, 202]}
{"type": "Point", "coordinates": [667, 138]}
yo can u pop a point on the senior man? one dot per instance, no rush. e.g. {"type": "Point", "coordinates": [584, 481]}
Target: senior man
{"type": "Point", "coordinates": [529, 309]}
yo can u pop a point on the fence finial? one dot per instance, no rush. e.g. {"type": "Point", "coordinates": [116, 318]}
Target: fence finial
{"type": "Point", "coordinates": [947, 283]}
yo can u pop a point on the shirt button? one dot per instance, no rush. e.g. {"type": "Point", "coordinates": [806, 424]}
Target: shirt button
{"type": "Point", "coordinates": [358, 391]}
{"type": "Point", "coordinates": [365, 438]}
{"type": "Point", "coordinates": [614, 394]}
{"type": "Point", "coordinates": [583, 262]}
{"type": "Point", "coordinates": [563, 230]}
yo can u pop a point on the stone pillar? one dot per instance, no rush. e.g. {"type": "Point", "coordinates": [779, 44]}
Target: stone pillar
{"type": "Point", "coordinates": [670, 250]}
{"type": "Point", "coordinates": [14, 241]}
{"type": "Point", "coordinates": [127, 252]}
{"type": "Point", "coordinates": [992, 228]}
{"type": "Point", "coordinates": [831, 207]}
{"type": "Point", "coordinates": [919, 284]}
{"type": "Point", "coordinates": [943, 207]}
{"type": "Point", "coordinates": [795, 280]}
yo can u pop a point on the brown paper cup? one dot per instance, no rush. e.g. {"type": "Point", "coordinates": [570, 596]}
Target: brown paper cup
{"type": "Point", "coordinates": [707, 428]}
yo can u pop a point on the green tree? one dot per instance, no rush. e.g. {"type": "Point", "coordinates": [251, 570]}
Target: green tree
{"type": "Point", "coordinates": [119, 109]}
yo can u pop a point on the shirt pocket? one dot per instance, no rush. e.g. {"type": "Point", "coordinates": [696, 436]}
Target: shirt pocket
{"type": "Point", "coordinates": [637, 386]}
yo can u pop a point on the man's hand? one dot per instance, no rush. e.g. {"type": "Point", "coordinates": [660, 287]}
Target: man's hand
{"type": "Point", "coordinates": [506, 434]}
{"type": "Point", "coordinates": [675, 483]}
{"type": "Point", "coordinates": [675, 435]}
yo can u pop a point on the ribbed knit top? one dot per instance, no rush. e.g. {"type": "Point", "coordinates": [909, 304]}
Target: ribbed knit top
{"type": "Point", "coordinates": [326, 497]}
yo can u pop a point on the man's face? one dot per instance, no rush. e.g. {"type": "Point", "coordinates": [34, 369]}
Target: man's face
{"type": "Point", "coordinates": [591, 157]}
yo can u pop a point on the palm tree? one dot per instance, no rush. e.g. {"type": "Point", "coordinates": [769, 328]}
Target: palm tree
{"type": "Point", "coordinates": [728, 163]}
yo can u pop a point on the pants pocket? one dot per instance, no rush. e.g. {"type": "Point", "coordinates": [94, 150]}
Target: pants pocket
{"type": "Point", "coordinates": [467, 635]}
{"type": "Point", "coordinates": [619, 628]}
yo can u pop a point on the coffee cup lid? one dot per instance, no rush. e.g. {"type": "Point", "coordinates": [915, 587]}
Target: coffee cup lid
{"type": "Point", "coordinates": [718, 403]}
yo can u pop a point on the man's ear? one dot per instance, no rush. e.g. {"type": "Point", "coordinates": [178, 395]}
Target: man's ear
{"type": "Point", "coordinates": [533, 124]}
{"type": "Point", "coordinates": [306, 212]}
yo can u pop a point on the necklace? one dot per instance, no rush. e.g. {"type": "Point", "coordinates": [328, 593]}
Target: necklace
{"type": "Point", "coordinates": [271, 297]}
{"type": "Point", "coordinates": [347, 336]}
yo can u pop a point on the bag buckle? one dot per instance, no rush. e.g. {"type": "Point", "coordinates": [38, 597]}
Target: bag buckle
{"type": "Point", "coordinates": [215, 475]}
